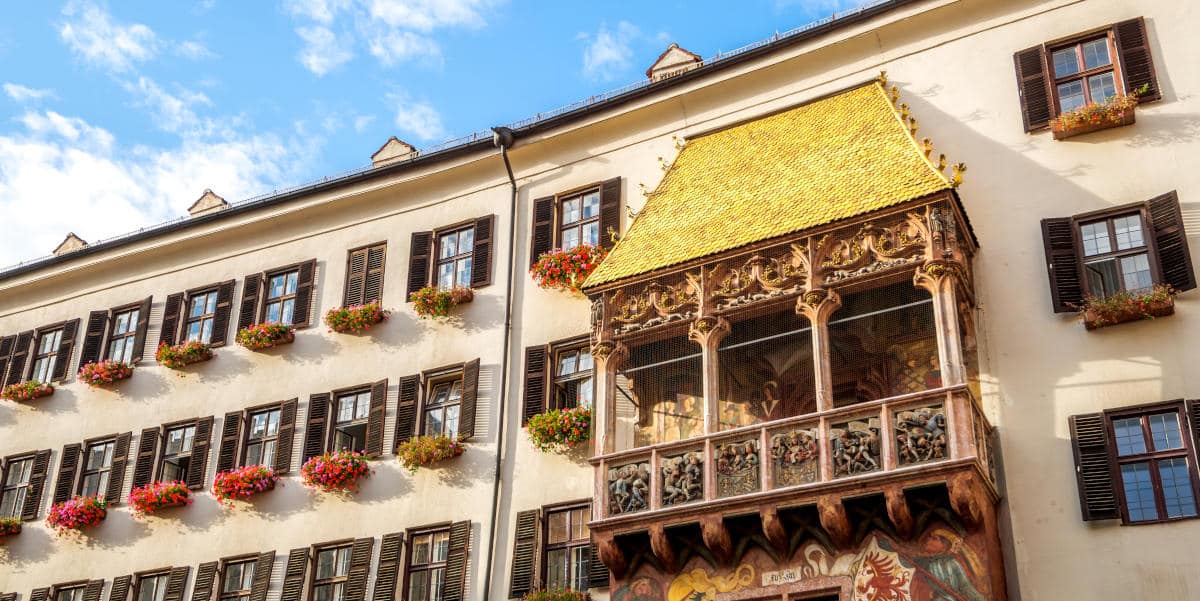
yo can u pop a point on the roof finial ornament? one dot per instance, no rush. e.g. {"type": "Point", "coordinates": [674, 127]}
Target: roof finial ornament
{"type": "Point", "coordinates": [959, 170]}
{"type": "Point", "coordinates": [912, 127]}
{"type": "Point", "coordinates": [645, 191]}
{"type": "Point", "coordinates": [679, 142]}
{"type": "Point", "coordinates": [630, 212]}
{"type": "Point", "coordinates": [883, 78]}
{"type": "Point", "coordinates": [904, 111]}
{"type": "Point", "coordinates": [927, 145]}
{"type": "Point", "coordinates": [895, 95]}
{"type": "Point", "coordinates": [941, 162]}
{"type": "Point", "coordinates": [663, 164]}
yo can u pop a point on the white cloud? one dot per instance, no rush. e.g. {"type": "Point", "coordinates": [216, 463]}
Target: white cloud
{"type": "Point", "coordinates": [172, 112]}
{"type": "Point", "coordinates": [194, 50]}
{"type": "Point", "coordinates": [399, 46]}
{"type": "Point", "coordinates": [321, 11]}
{"type": "Point", "coordinates": [426, 15]}
{"type": "Point", "coordinates": [94, 36]}
{"type": "Point", "coordinates": [22, 93]}
{"type": "Point", "coordinates": [609, 53]}
{"type": "Point", "coordinates": [418, 118]}
{"type": "Point", "coordinates": [362, 122]}
{"type": "Point", "coordinates": [322, 51]}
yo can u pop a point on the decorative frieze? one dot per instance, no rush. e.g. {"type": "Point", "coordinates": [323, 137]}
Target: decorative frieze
{"type": "Point", "coordinates": [856, 447]}
{"type": "Point", "coordinates": [653, 304]}
{"type": "Point", "coordinates": [795, 457]}
{"type": "Point", "coordinates": [921, 435]}
{"type": "Point", "coordinates": [628, 488]}
{"type": "Point", "coordinates": [873, 248]}
{"type": "Point", "coordinates": [682, 479]}
{"type": "Point", "coordinates": [738, 467]}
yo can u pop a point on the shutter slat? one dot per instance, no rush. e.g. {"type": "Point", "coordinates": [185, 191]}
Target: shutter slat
{"type": "Point", "coordinates": [304, 294]}
{"type": "Point", "coordinates": [251, 290]}
{"type": "Point", "coordinates": [1174, 256]}
{"type": "Point", "coordinates": [360, 566]}
{"type": "Point", "coordinates": [172, 311]}
{"type": "Point", "coordinates": [92, 591]}
{"type": "Point", "coordinates": [315, 430]}
{"type": "Point", "coordinates": [1062, 264]}
{"type": "Point", "coordinates": [206, 576]}
{"type": "Point", "coordinates": [543, 229]}
{"type": "Point", "coordinates": [1137, 63]}
{"type": "Point", "coordinates": [6, 349]}
{"type": "Point", "coordinates": [610, 211]}
{"type": "Point", "coordinates": [143, 466]}
{"type": "Point", "coordinates": [356, 273]}
{"type": "Point", "coordinates": [37, 483]}
{"type": "Point", "coordinates": [201, 445]}
{"type": "Point", "coordinates": [374, 446]}
{"type": "Point", "coordinates": [176, 583]}
{"type": "Point", "coordinates": [534, 402]}
{"type": "Point", "coordinates": [1034, 86]}
{"type": "Point", "coordinates": [454, 585]}
{"type": "Point", "coordinates": [93, 338]}
{"type": "Point", "coordinates": [68, 464]}
{"type": "Point", "coordinates": [20, 356]}
{"type": "Point", "coordinates": [1097, 494]}
{"type": "Point", "coordinates": [525, 552]}
{"type": "Point", "coordinates": [116, 475]}
{"type": "Point", "coordinates": [39, 594]}
{"type": "Point", "coordinates": [470, 394]}
{"type": "Point", "coordinates": [598, 576]}
{"type": "Point", "coordinates": [481, 257]}
{"type": "Point", "coordinates": [387, 571]}
{"type": "Point", "coordinates": [287, 429]}
{"type": "Point", "coordinates": [293, 575]}
{"type": "Point", "coordinates": [263, 567]}
{"type": "Point", "coordinates": [220, 331]}
{"type": "Point", "coordinates": [120, 588]}
{"type": "Point", "coordinates": [406, 411]}
{"type": "Point", "coordinates": [66, 346]}
{"type": "Point", "coordinates": [231, 438]}
{"type": "Point", "coordinates": [8, 597]}
{"type": "Point", "coordinates": [143, 326]}
{"type": "Point", "coordinates": [373, 284]}
{"type": "Point", "coordinates": [418, 262]}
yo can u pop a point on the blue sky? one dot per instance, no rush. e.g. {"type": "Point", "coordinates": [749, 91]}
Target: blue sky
{"type": "Point", "coordinates": [117, 115]}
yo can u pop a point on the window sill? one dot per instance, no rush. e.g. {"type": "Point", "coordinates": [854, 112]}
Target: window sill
{"type": "Point", "coordinates": [1124, 117]}
{"type": "Point", "coordinates": [1093, 319]}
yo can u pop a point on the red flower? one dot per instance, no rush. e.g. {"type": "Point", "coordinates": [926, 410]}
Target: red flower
{"type": "Point", "coordinates": [336, 472]}
{"type": "Point", "coordinates": [157, 495]}
{"type": "Point", "coordinates": [242, 483]}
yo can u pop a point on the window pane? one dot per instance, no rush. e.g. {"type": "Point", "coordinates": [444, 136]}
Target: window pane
{"type": "Point", "coordinates": [556, 569]}
{"type": "Point", "coordinates": [197, 306]}
{"type": "Point", "coordinates": [1177, 487]}
{"type": "Point", "coordinates": [566, 363]}
{"type": "Point", "coordinates": [345, 409]}
{"type": "Point", "coordinates": [268, 458]}
{"type": "Point", "coordinates": [451, 427]}
{"type": "Point", "coordinates": [273, 422]}
{"type": "Point", "coordinates": [233, 578]}
{"type": "Point", "coordinates": [343, 561]}
{"type": "Point", "coordinates": [210, 303]}
{"type": "Point", "coordinates": [1102, 87]}
{"type": "Point", "coordinates": [436, 578]}
{"type": "Point", "coordinates": [272, 315]}
{"type": "Point", "coordinates": [193, 332]}
{"type": "Point", "coordinates": [254, 454]}
{"type": "Point", "coordinates": [570, 238]}
{"type": "Point", "coordinates": [1102, 277]}
{"type": "Point", "coordinates": [418, 587]}
{"type": "Point", "coordinates": [1139, 491]}
{"type": "Point", "coordinates": [1164, 430]}
{"type": "Point", "coordinates": [1095, 238]}
{"type": "Point", "coordinates": [275, 287]}
{"type": "Point", "coordinates": [325, 563]}
{"type": "Point", "coordinates": [289, 312]}
{"type": "Point", "coordinates": [579, 519]}
{"type": "Point", "coordinates": [580, 558]}
{"type": "Point", "coordinates": [122, 324]}
{"type": "Point", "coordinates": [258, 425]}
{"type": "Point", "coordinates": [420, 551]}
{"type": "Point", "coordinates": [466, 241]}
{"type": "Point", "coordinates": [433, 422]}
{"type": "Point", "coordinates": [1070, 95]}
{"type": "Point", "coordinates": [440, 393]}
{"type": "Point", "coordinates": [1129, 232]}
{"type": "Point", "coordinates": [557, 523]}
{"type": "Point", "coordinates": [1135, 271]}
{"type": "Point", "coordinates": [463, 277]}
{"type": "Point", "coordinates": [1128, 432]}
{"type": "Point", "coordinates": [11, 503]}
{"type": "Point", "coordinates": [363, 410]}
{"type": "Point", "coordinates": [448, 245]}
{"type": "Point", "coordinates": [1066, 62]}
{"type": "Point", "coordinates": [455, 391]}
{"type": "Point", "coordinates": [441, 546]}
{"type": "Point", "coordinates": [570, 211]}
{"type": "Point", "coordinates": [446, 276]}
{"type": "Point", "coordinates": [292, 278]}
{"type": "Point", "coordinates": [206, 331]}
{"type": "Point", "coordinates": [591, 233]}
{"type": "Point", "coordinates": [321, 593]}
{"type": "Point", "coordinates": [1095, 54]}
{"type": "Point", "coordinates": [585, 361]}
{"type": "Point", "coordinates": [591, 205]}
{"type": "Point", "coordinates": [116, 351]}
{"type": "Point", "coordinates": [247, 575]}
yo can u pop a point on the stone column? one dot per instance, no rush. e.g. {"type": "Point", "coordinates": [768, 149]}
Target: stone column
{"type": "Point", "coordinates": [708, 333]}
{"type": "Point", "coordinates": [817, 306]}
{"type": "Point", "coordinates": [608, 356]}
{"type": "Point", "coordinates": [941, 279]}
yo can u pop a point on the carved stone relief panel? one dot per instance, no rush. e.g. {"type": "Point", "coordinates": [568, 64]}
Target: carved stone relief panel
{"type": "Point", "coordinates": [682, 479]}
{"type": "Point", "coordinates": [795, 457]}
{"type": "Point", "coordinates": [672, 299]}
{"type": "Point", "coordinates": [856, 447]}
{"type": "Point", "coordinates": [628, 488]}
{"type": "Point", "coordinates": [921, 435]}
{"type": "Point", "coordinates": [766, 274]}
{"type": "Point", "coordinates": [738, 467]}
{"type": "Point", "coordinates": [872, 248]}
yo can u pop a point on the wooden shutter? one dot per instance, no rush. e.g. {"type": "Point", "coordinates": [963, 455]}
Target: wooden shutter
{"type": "Point", "coordinates": [120, 588]}
{"type": "Point", "coordinates": [597, 572]}
{"type": "Point", "coordinates": [481, 257]}
{"type": "Point", "coordinates": [455, 581]}
{"type": "Point", "coordinates": [262, 576]}
{"type": "Point", "coordinates": [116, 476]}
{"type": "Point", "coordinates": [304, 294]}
{"type": "Point", "coordinates": [1062, 264]}
{"type": "Point", "coordinates": [6, 349]}
{"type": "Point", "coordinates": [206, 576]}
{"type": "Point", "coordinates": [251, 290]}
{"type": "Point", "coordinates": [293, 576]}
{"type": "Point", "coordinates": [1093, 471]}
{"type": "Point", "coordinates": [66, 346]}
{"type": "Point", "coordinates": [356, 277]}
{"type": "Point", "coordinates": [360, 566]}
{"type": "Point", "coordinates": [220, 331]}
{"type": "Point", "coordinates": [143, 466]}
{"type": "Point", "coordinates": [201, 445]}
{"type": "Point", "coordinates": [1174, 257]}
{"type": "Point", "coordinates": [92, 591]}
{"type": "Point", "coordinates": [1037, 106]}
{"type": "Point", "coordinates": [20, 355]}
{"type": "Point", "coordinates": [406, 411]}
{"type": "Point", "coordinates": [143, 326]}
{"type": "Point", "coordinates": [1137, 64]}
{"type": "Point", "coordinates": [375, 418]}
{"type": "Point", "coordinates": [543, 228]}
{"type": "Point", "coordinates": [373, 285]}
{"type": "Point", "coordinates": [93, 338]}
{"type": "Point", "coordinates": [172, 313]}
{"type": "Point", "coordinates": [534, 402]}
{"type": "Point", "coordinates": [1193, 411]}
{"type": "Point", "coordinates": [387, 571]}
{"type": "Point", "coordinates": [315, 429]}
{"type": "Point", "coordinates": [39, 594]}
{"type": "Point", "coordinates": [287, 428]}
{"type": "Point", "coordinates": [68, 465]}
{"type": "Point", "coordinates": [176, 583]}
{"type": "Point", "coordinates": [231, 438]}
{"type": "Point", "coordinates": [37, 483]}
{"type": "Point", "coordinates": [8, 597]}
{"type": "Point", "coordinates": [523, 572]}
{"type": "Point", "coordinates": [418, 262]}
{"type": "Point", "coordinates": [470, 393]}
{"type": "Point", "coordinates": [610, 211]}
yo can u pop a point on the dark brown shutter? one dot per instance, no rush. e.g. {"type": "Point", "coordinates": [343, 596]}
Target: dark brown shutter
{"type": "Point", "coordinates": [93, 338]}
{"type": "Point", "coordinates": [231, 438]}
{"type": "Point", "coordinates": [116, 475]}
{"type": "Point", "coordinates": [1174, 257]}
{"type": "Point", "coordinates": [8, 597]}
{"type": "Point", "coordinates": [481, 257]}
{"type": "Point", "coordinates": [262, 576]}
{"type": "Point", "coordinates": [176, 583]}
{"type": "Point", "coordinates": [172, 313]}
{"type": "Point", "coordinates": [454, 584]}
{"type": "Point", "coordinates": [20, 355]}
{"type": "Point", "coordinates": [360, 566]}
{"type": "Point", "coordinates": [543, 228]}
{"type": "Point", "coordinates": [610, 211]}
{"type": "Point", "coordinates": [1093, 472]}
{"type": "Point", "coordinates": [304, 294]}
{"type": "Point", "coordinates": [143, 466]}
{"type": "Point", "coordinates": [37, 483]}
{"type": "Point", "coordinates": [406, 410]}
{"type": "Point", "coordinates": [1137, 64]}
{"type": "Point", "coordinates": [375, 418]}
{"type": "Point", "coordinates": [6, 349]}
{"type": "Point", "coordinates": [287, 428]}
{"type": "Point", "coordinates": [198, 463]}
{"type": "Point", "coordinates": [68, 464]}
{"type": "Point", "coordinates": [66, 345]}
{"type": "Point", "coordinates": [1062, 264]}
{"type": "Point", "coordinates": [356, 276]}
{"type": "Point", "coordinates": [315, 430]}
{"type": "Point", "coordinates": [418, 262]}
{"type": "Point", "coordinates": [143, 325]}
{"type": "Point", "coordinates": [120, 588]}
{"type": "Point", "coordinates": [535, 383]}
{"type": "Point", "coordinates": [1037, 108]}
{"type": "Point", "coordinates": [597, 572]}
{"type": "Point", "coordinates": [293, 576]}
{"type": "Point", "coordinates": [206, 576]}
{"type": "Point", "coordinates": [251, 290]}
{"type": "Point", "coordinates": [1193, 410]}
{"type": "Point", "coordinates": [373, 285]}
{"type": "Point", "coordinates": [39, 594]}
{"type": "Point", "coordinates": [525, 552]}
{"type": "Point", "coordinates": [387, 572]}
{"type": "Point", "coordinates": [220, 331]}
{"type": "Point", "coordinates": [470, 394]}
{"type": "Point", "coordinates": [92, 591]}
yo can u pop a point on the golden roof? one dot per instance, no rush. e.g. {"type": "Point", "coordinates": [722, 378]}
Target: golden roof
{"type": "Point", "coordinates": [827, 160]}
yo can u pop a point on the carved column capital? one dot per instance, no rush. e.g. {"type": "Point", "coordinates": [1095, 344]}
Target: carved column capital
{"type": "Point", "coordinates": [708, 329]}
{"type": "Point", "coordinates": [818, 304]}
{"type": "Point", "coordinates": [609, 352]}
{"type": "Point", "coordinates": [938, 275]}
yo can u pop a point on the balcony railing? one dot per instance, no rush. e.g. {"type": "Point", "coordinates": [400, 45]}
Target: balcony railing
{"type": "Point", "coordinates": [849, 445]}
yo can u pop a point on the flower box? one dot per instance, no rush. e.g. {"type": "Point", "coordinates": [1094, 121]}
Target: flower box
{"type": "Point", "coordinates": [355, 319]}
{"type": "Point", "coordinates": [1116, 111]}
{"type": "Point", "coordinates": [241, 483]}
{"type": "Point", "coordinates": [262, 336]}
{"type": "Point", "coordinates": [104, 373]}
{"type": "Point", "coordinates": [26, 391]}
{"type": "Point", "coordinates": [432, 302]}
{"type": "Point", "coordinates": [183, 354]}
{"type": "Point", "coordinates": [556, 595]}
{"type": "Point", "coordinates": [1128, 306]}
{"type": "Point", "coordinates": [157, 496]}
{"type": "Point", "coordinates": [9, 527]}
{"type": "Point", "coordinates": [75, 515]}
{"type": "Point", "coordinates": [336, 472]}
{"type": "Point", "coordinates": [566, 270]}
{"type": "Point", "coordinates": [560, 430]}
{"type": "Point", "coordinates": [423, 451]}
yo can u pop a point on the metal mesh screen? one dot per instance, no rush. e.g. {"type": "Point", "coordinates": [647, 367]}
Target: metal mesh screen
{"type": "Point", "coordinates": [766, 370]}
{"type": "Point", "coordinates": [660, 393]}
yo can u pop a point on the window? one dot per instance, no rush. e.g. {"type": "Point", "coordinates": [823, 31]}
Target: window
{"type": "Point", "coordinates": [262, 438]}
{"type": "Point", "coordinates": [1084, 72]}
{"type": "Point", "coordinates": [1156, 478]}
{"type": "Point", "coordinates": [350, 421]}
{"type": "Point", "coordinates": [573, 385]}
{"type": "Point", "coordinates": [69, 592]}
{"type": "Point", "coordinates": [152, 587]}
{"type": "Point", "coordinates": [46, 355]}
{"type": "Point", "coordinates": [17, 474]}
{"type": "Point", "coordinates": [1115, 256]}
{"type": "Point", "coordinates": [427, 565]}
{"type": "Point", "coordinates": [177, 453]}
{"type": "Point", "coordinates": [579, 219]}
{"type": "Point", "coordinates": [442, 405]}
{"type": "Point", "coordinates": [236, 580]}
{"type": "Point", "coordinates": [97, 466]}
{"type": "Point", "coordinates": [124, 332]}
{"type": "Point", "coordinates": [280, 303]}
{"type": "Point", "coordinates": [333, 568]}
{"type": "Point", "coordinates": [568, 548]}
{"type": "Point", "coordinates": [455, 254]}
{"type": "Point", "coordinates": [364, 275]}
{"type": "Point", "coordinates": [201, 312]}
